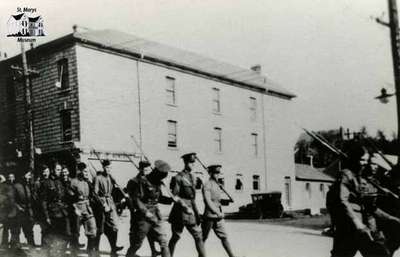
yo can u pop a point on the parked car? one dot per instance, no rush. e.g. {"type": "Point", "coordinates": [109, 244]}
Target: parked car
{"type": "Point", "coordinates": [264, 205]}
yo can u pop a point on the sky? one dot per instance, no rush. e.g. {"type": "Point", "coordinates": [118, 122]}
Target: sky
{"type": "Point", "coordinates": [330, 53]}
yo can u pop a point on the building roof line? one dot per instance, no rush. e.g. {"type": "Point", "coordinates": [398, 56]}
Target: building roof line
{"type": "Point", "coordinates": [95, 40]}
{"type": "Point", "coordinates": [151, 59]}
{"type": "Point", "coordinates": [168, 63]}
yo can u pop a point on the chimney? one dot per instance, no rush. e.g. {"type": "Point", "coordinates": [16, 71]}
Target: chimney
{"type": "Point", "coordinates": [311, 161]}
{"type": "Point", "coordinates": [256, 68]}
{"type": "Point", "coordinates": [74, 28]}
{"type": "Point", "coordinates": [5, 55]}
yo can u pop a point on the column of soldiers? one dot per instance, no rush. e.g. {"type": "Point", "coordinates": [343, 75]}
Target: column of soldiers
{"type": "Point", "coordinates": [365, 207]}
{"type": "Point", "coordinates": [61, 205]}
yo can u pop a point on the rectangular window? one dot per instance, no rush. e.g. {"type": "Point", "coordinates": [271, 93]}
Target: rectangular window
{"type": "Point", "coordinates": [256, 182]}
{"type": "Point", "coordinates": [221, 181]}
{"type": "Point", "coordinates": [218, 139]}
{"type": "Point", "coordinates": [66, 126]}
{"type": "Point", "coordinates": [254, 143]}
{"type": "Point", "coordinates": [253, 108]}
{"type": "Point", "coordinates": [322, 190]}
{"type": "Point", "coordinates": [216, 100]}
{"type": "Point", "coordinates": [239, 182]}
{"type": "Point", "coordinates": [170, 90]}
{"type": "Point", "coordinates": [63, 76]}
{"type": "Point", "coordinates": [308, 190]}
{"type": "Point", "coordinates": [288, 191]}
{"type": "Point", "coordinates": [172, 138]}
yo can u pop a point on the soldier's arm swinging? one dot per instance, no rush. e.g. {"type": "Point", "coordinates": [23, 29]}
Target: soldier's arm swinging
{"type": "Point", "coordinates": [207, 200]}
{"type": "Point", "coordinates": [380, 214]}
{"type": "Point", "coordinates": [344, 195]}
{"type": "Point", "coordinates": [135, 194]}
{"type": "Point", "coordinates": [175, 188]}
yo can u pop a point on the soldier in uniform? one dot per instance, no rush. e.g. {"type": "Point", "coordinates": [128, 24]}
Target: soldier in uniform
{"type": "Point", "coordinates": [144, 170]}
{"type": "Point", "coordinates": [23, 213]}
{"type": "Point", "coordinates": [106, 215]}
{"type": "Point", "coordinates": [83, 213]}
{"type": "Point", "coordinates": [57, 169]}
{"type": "Point", "coordinates": [355, 211]}
{"type": "Point", "coordinates": [213, 217]}
{"type": "Point", "coordinates": [56, 228]}
{"type": "Point", "coordinates": [145, 192]}
{"type": "Point", "coordinates": [184, 212]}
{"type": "Point", "coordinates": [9, 184]}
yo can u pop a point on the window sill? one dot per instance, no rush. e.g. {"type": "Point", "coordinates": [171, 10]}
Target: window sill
{"type": "Point", "coordinates": [172, 105]}
{"type": "Point", "coordinates": [66, 142]}
{"type": "Point", "coordinates": [217, 113]}
{"type": "Point", "coordinates": [172, 148]}
{"type": "Point", "coordinates": [64, 91]}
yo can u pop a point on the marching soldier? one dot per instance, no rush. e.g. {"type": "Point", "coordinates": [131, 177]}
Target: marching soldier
{"type": "Point", "coordinates": [83, 213]}
{"type": "Point", "coordinates": [356, 213]}
{"type": "Point", "coordinates": [64, 178]}
{"type": "Point", "coordinates": [23, 213]}
{"type": "Point", "coordinates": [9, 184]}
{"type": "Point", "coordinates": [213, 217]}
{"type": "Point", "coordinates": [106, 215]}
{"type": "Point", "coordinates": [56, 228]}
{"type": "Point", "coordinates": [144, 170]}
{"type": "Point", "coordinates": [184, 212]}
{"type": "Point", "coordinates": [145, 192]}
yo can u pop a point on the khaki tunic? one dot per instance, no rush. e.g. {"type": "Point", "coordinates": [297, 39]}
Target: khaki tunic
{"type": "Point", "coordinates": [183, 186]}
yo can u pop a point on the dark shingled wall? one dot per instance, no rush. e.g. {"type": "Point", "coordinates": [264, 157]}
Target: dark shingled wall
{"type": "Point", "coordinates": [47, 101]}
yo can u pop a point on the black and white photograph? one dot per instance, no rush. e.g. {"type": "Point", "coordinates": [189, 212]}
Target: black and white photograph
{"type": "Point", "coordinates": [199, 128]}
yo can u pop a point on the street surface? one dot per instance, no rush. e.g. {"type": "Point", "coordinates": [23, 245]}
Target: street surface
{"type": "Point", "coordinates": [248, 239]}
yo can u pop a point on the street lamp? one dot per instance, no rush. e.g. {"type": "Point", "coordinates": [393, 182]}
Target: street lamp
{"type": "Point", "coordinates": [384, 96]}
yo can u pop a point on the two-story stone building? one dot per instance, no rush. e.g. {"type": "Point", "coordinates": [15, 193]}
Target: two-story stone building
{"type": "Point", "coordinates": [99, 89]}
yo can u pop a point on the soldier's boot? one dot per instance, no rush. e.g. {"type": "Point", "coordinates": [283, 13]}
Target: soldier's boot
{"type": "Point", "coordinates": [112, 239]}
{"type": "Point", "coordinates": [201, 251]}
{"type": "Point", "coordinates": [172, 243]}
{"type": "Point", "coordinates": [154, 252]}
{"type": "Point", "coordinates": [96, 242]}
{"type": "Point", "coordinates": [164, 252]}
{"type": "Point", "coordinates": [164, 249]}
{"type": "Point", "coordinates": [91, 247]}
{"type": "Point", "coordinates": [74, 246]}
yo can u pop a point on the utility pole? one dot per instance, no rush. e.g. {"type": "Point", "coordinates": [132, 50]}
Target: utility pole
{"type": "Point", "coordinates": [393, 24]}
{"type": "Point", "coordinates": [26, 77]}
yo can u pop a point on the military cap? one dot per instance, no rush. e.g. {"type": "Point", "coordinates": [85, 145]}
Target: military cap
{"type": "Point", "coordinates": [105, 163]}
{"type": "Point", "coordinates": [162, 166]}
{"type": "Point", "coordinates": [81, 166]}
{"type": "Point", "coordinates": [214, 168]}
{"type": "Point", "coordinates": [355, 150]}
{"type": "Point", "coordinates": [189, 157]}
{"type": "Point", "coordinates": [144, 164]}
